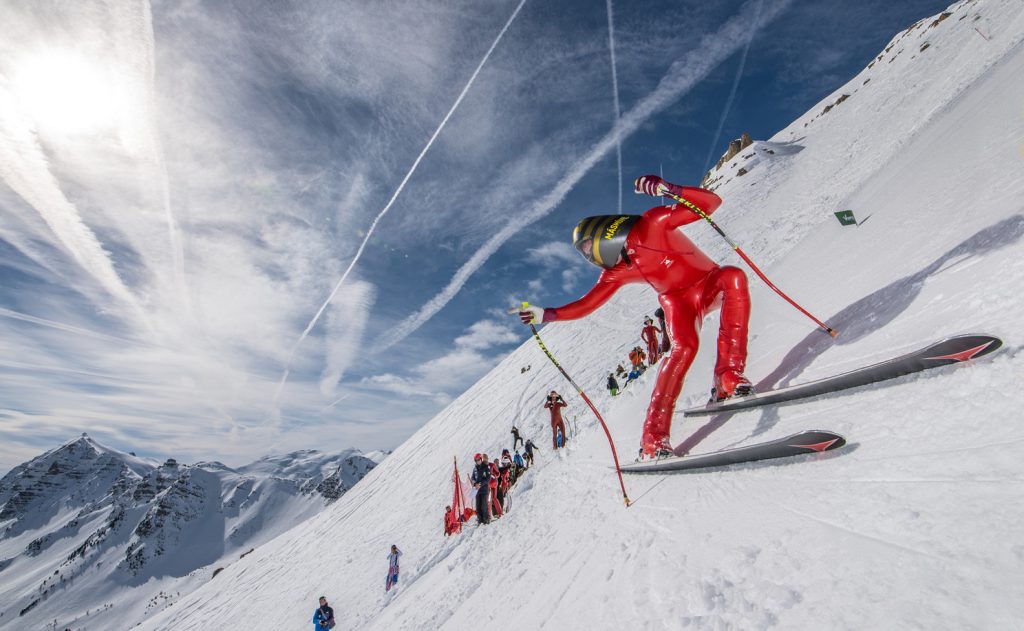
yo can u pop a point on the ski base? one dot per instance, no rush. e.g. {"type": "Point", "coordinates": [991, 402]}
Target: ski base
{"type": "Point", "coordinates": [806, 442]}
{"type": "Point", "coordinates": [949, 351]}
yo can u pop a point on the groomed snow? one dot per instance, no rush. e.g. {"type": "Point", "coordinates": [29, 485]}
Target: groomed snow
{"type": "Point", "coordinates": [914, 525]}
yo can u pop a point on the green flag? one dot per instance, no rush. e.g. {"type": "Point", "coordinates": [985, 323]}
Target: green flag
{"type": "Point", "coordinates": [846, 217]}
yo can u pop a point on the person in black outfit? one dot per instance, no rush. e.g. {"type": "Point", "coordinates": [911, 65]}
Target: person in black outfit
{"type": "Point", "coordinates": [516, 438]}
{"type": "Point", "coordinates": [613, 385]}
{"type": "Point", "coordinates": [528, 448]}
{"type": "Point", "coordinates": [482, 483]}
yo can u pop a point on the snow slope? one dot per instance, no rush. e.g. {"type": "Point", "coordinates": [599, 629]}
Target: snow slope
{"type": "Point", "coordinates": [94, 537]}
{"type": "Point", "coordinates": [915, 524]}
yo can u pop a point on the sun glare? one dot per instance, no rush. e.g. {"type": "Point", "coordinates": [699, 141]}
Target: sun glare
{"type": "Point", "coordinates": [65, 92]}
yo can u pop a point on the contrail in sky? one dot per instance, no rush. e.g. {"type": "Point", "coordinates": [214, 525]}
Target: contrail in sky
{"type": "Point", "coordinates": [60, 326]}
{"type": "Point", "coordinates": [732, 92]}
{"type": "Point", "coordinates": [615, 92]}
{"type": "Point", "coordinates": [394, 196]}
{"type": "Point", "coordinates": [174, 236]}
{"type": "Point", "coordinates": [681, 77]}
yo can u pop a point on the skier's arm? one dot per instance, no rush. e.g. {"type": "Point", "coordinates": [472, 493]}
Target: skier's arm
{"type": "Point", "coordinates": [678, 214]}
{"type": "Point", "coordinates": [605, 287]}
{"type": "Point", "coordinates": [702, 198]}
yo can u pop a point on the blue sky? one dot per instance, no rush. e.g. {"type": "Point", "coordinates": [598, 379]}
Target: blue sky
{"type": "Point", "coordinates": [183, 185]}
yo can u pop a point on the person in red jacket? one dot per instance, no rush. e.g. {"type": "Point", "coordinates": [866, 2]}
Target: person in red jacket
{"type": "Point", "coordinates": [496, 508]}
{"type": "Point", "coordinates": [649, 334]}
{"type": "Point", "coordinates": [452, 525]}
{"type": "Point", "coordinates": [555, 403]}
{"type": "Point", "coordinates": [649, 248]}
{"type": "Point", "coordinates": [636, 357]}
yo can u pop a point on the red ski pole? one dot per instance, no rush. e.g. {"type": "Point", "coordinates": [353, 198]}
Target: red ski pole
{"type": "Point", "coordinates": [583, 395]}
{"type": "Point", "coordinates": [703, 215]}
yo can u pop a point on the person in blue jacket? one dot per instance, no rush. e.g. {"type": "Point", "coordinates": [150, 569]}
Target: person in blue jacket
{"type": "Point", "coordinates": [323, 617]}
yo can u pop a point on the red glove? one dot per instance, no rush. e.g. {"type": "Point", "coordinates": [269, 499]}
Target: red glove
{"type": "Point", "coordinates": [651, 185]}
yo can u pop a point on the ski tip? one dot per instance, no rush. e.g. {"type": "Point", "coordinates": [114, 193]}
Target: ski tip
{"type": "Point", "coordinates": [818, 440]}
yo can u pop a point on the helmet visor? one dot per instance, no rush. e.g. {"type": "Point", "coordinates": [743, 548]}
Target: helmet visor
{"type": "Point", "coordinates": [601, 239]}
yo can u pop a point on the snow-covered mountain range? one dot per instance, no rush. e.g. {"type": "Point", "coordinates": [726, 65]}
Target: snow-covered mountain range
{"type": "Point", "coordinates": [89, 534]}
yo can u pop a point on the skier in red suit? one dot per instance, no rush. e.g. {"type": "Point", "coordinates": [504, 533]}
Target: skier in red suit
{"type": "Point", "coordinates": [649, 248]}
{"type": "Point", "coordinates": [649, 334]}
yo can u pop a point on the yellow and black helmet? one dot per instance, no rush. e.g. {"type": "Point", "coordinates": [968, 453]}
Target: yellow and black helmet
{"type": "Point", "coordinates": [601, 239]}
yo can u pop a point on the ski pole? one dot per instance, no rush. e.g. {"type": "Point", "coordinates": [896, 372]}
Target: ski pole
{"type": "Point", "coordinates": [583, 395]}
{"type": "Point", "coordinates": [703, 215]}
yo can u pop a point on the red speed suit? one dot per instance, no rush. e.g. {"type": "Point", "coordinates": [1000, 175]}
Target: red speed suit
{"type": "Point", "coordinates": [556, 421]}
{"type": "Point", "coordinates": [690, 285]}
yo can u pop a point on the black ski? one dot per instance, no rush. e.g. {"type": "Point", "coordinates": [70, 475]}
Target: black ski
{"type": "Point", "coordinates": [949, 351]}
{"type": "Point", "coordinates": [808, 442]}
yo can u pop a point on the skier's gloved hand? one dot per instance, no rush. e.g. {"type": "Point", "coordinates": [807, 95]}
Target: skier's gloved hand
{"type": "Point", "coordinates": [531, 314]}
{"type": "Point", "coordinates": [651, 185]}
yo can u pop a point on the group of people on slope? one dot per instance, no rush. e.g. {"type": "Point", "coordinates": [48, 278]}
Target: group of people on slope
{"type": "Point", "coordinates": [637, 356]}
{"type": "Point", "coordinates": [492, 481]}
{"type": "Point", "coordinates": [493, 478]}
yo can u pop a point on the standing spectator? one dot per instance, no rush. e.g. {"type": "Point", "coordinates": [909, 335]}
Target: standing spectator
{"type": "Point", "coordinates": [496, 509]}
{"type": "Point", "coordinates": [666, 345]}
{"type": "Point", "coordinates": [518, 465]}
{"type": "Point", "coordinates": [649, 334]}
{"type": "Point", "coordinates": [555, 403]}
{"type": "Point", "coordinates": [505, 477]}
{"type": "Point", "coordinates": [323, 617]}
{"type": "Point", "coordinates": [529, 447]}
{"type": "Point", "coordinates": [516, 438]}
{"type": "Point", "coordinates": [482, 483]}
{"type": "Point", "coordinates": [613, 385]}
{"type": "Point", "coordinates": [392, 579]}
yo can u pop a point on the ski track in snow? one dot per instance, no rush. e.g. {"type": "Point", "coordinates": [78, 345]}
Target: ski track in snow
{"type": "Point", "coordinates": [914, 525]}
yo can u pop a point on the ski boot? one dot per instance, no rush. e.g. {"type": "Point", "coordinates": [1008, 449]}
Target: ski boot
{"type": "Point", "coordinates": [657, 451]}
{"type": "Point", "coordinates": [730, 384]}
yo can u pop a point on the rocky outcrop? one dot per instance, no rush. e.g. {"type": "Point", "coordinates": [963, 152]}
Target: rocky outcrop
{"type": "Point", "coordinates": [735, 146]}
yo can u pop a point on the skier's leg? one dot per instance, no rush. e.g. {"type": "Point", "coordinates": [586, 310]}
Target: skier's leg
{"type": "Point", "coordinates": [730, 283]}
{"type": "Point", "coordinates": [554, 434]}
{"type": "Point", "coordinates": [684, 325]}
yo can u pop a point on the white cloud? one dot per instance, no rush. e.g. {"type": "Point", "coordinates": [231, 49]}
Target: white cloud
{"type": "Point", "coordinates": [485, 334]}
{"type": "Point", "coordinates": [555, 253]}
{"type": "Point", "coordinates": [448, 374]}
{"type": "Point", "coordinates": [346, 321]}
